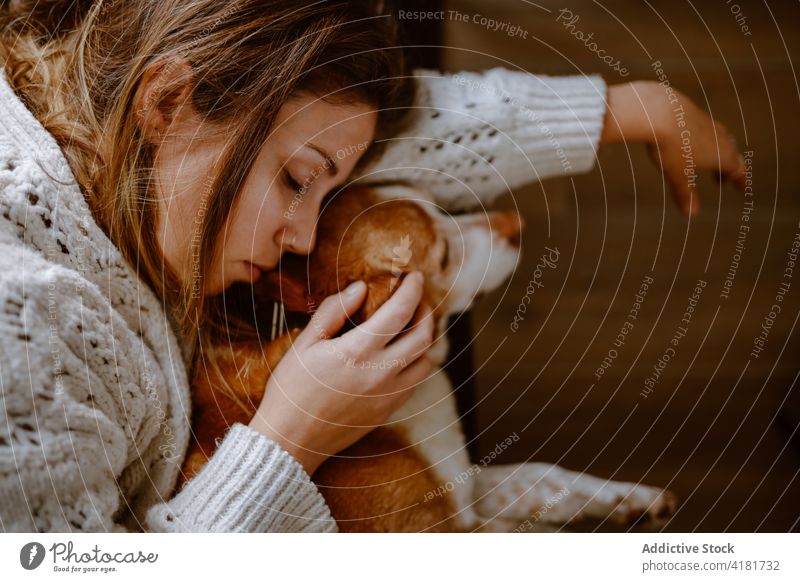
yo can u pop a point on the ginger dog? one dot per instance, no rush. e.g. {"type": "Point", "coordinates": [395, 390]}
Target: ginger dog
{"type": "Point", "coordinates": [413, 474]}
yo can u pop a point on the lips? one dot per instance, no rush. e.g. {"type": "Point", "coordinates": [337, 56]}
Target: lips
{"type": "Point", "coordinates": [254, 272]}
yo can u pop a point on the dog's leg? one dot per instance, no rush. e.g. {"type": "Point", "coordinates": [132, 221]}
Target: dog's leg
{"type": "Point", "coordinates": [431, 424]}
{"type": "Point", "coordinates": [539, 492]}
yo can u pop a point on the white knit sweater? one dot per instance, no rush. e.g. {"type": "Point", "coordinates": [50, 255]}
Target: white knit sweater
{"type": "Point", "coordinates": [94, 399]}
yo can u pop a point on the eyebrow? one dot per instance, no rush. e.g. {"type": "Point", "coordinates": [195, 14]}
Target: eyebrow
{"type": "Point", "coordinates": [333, 169]}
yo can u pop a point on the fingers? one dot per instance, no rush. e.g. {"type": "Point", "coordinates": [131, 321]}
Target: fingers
{"type": "Point", "coordinates": [412, 376]}
{"type": "Point", "coordinates": [404, 385]}
{"type": "Point", "coordinates": [413, 342]}
{"type": "Point", "coordinates": [737, 173]}
{"type": "Point", "coordinates": [683, 190]}
{"type": "Point", "coordinates": [679, 185]}
{"type": "Point", "coordinates": [731, 162]}
{"type": "Point", "coordinates": [392, 316]}
{"type": "Point", "coordinates": [733, 166]}
{"type": "Point", "coordinates": [685, 194]}
{"type": "Point", "coordinates": [332, 313]}
{"type": "Point", "coordinates": [716, 150]}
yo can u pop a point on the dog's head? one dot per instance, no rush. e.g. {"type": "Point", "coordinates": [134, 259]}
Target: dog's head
{"type": "Point", "coordinates": [380, 234]}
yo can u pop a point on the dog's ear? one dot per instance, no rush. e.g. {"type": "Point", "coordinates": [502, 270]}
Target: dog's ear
{"type": "Point", "coordinates": [281, 285]}
{"type": "Point", "coordinates": [379, 289]}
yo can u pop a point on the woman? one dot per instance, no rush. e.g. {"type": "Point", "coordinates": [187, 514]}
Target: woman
{"type": "Point", "coordinates": [187, 145]}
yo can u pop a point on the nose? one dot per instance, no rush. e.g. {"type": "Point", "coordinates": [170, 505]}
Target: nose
{"type": "Point", "coordinates": [299, 236]}
{"type": "Point", "coordinates": [301, 243]}
{"type": "Point", "coordinates": [507, 224]}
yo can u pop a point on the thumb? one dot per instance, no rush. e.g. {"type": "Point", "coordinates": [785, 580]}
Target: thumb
{"type": "Point", "coordinates": [333, 312]}
{"type": "Point", "coordinates": [684, 192]}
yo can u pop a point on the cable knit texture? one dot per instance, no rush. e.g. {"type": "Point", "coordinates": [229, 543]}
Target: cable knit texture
{"type": "Point", "coordinates": [94, 398]}
{"type": "Point", "coordinates": [94, 407]}
{"type": "Point", "coordinates": [473, 136]}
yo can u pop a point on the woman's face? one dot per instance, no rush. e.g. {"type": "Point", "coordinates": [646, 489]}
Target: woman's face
{"type": "Point", "coordinates": [312, 150]}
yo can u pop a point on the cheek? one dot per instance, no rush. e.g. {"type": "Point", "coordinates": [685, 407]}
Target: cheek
{"type": "Point", "coordinates": [252, 226]}
{"type": "Point", "coordinates": [182, 184]}
{"type": "Point", "coordinates": [179, 225]}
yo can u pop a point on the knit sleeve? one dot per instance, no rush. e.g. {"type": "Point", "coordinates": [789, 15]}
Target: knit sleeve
{"type": "Point", "coordinates": [72, 440]}
{"type": "Point", "coordinates": [249, 484]}
{"type": "Point", "coordinates": [60, 448]}
{"type": "Point", "coordinates": [470, 137]}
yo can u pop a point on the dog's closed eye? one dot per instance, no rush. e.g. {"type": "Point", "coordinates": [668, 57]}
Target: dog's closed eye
{"type": "Point", "coordinates": [445, 255]}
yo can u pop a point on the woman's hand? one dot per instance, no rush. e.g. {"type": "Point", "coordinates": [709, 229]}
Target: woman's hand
{"type": "Point", "coordinates": [682, 138]}
{"type": "Point", "coordinates": [325, 394]}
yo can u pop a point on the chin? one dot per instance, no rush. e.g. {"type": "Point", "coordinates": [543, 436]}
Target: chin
{"type": "Point", "coordinates": [216, 285]}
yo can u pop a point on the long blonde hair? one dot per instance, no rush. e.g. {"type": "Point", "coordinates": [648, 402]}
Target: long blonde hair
{"type": "Point", "coordinates": [77, 65]}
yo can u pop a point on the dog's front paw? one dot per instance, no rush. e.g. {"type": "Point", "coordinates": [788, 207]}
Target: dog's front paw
{"type": "Point", "coordinates": [643, 505]}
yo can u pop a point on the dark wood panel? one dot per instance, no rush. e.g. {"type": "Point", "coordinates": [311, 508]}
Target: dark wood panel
{"type": "Point", "coordinates": [716, 443]}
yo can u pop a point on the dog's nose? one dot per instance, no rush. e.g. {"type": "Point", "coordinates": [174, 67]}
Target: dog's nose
{"type": "Point", "coordinates": [508, 224]}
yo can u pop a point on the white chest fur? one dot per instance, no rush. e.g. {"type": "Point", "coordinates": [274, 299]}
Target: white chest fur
{"type": "Point", "coordinates": [431, 423]}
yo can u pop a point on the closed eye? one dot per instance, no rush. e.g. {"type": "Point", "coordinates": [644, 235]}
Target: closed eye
{"type": "Point", "coordinates": [291, 182]}
{"type": "Point", "coordinates": [446, 255]}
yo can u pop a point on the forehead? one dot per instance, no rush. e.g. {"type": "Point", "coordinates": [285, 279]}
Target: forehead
{"type": "Point", "coordinates": [330, 124]}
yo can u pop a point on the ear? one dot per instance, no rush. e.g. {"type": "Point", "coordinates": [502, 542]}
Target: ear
{"type": "Point", "coordinates": [379, 289]}
{"type": "Point", "coordinates": [164, 96]}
